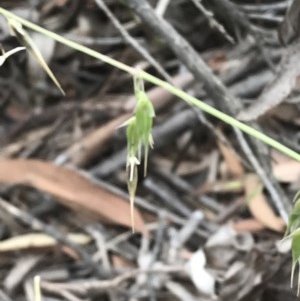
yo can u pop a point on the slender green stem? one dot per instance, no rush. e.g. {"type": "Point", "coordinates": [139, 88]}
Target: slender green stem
{"type": "Point", "coordinates": [156, 81]}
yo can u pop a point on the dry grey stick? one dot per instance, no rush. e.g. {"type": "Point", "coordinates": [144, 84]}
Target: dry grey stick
{"type": "Point", "coordinates": [265, 17]}
{"type": "Point", "coordinates": [279, 88]}
{"type": "Point", "coordinates": [180, 291]}
{"type": "Point", "coordinates": [147, 56]}
{"type": "Point", "coordinates": [86, 286]}
{"type": "Point", "coordinates": [187, 230]}
{"type": "Point", "coordinates": [288, 30]}
{"type": "Point", "coordinates": [230, 11]}
{"type": "Point", "coordinates": [4, 297]}
{"type": "Point", "coordinates": [161, 7]}
{"type": "Point", "coordinates": [166, 195]}
{"type": "Point", "coordinates": [68, 296]}
{"type": "Point", "coordinates": [102, 249]}
{"type": "Point", "coordinates": [212, 21]}
{"type": "Point", "coordinates": [180, 237]}
{"type": "Point", "coordinates": [186, 53]}
{"type": "Point", "coordinates": [22, 267]}
{"type": "Point", "coordinates": [289, 69]}
{"type": "Point", "coordinates": [101, 245]}
{"type": "Point", "coordinates": [260, 7]}
{"type": "Point", "coordinates": [281, 204]}
{"type": "Point", "coordinates": [213, 86]}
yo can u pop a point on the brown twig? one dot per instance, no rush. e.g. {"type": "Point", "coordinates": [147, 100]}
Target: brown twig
{"type": "Point", "coordinates": [84, 287]}
{"type": "Point", "coordinates": [215, 89]}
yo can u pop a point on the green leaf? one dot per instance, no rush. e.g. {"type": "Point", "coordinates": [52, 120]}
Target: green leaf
{"type": "Point", "coordinates": [296, 257]}
{"type": "Point", "coordinates": [293, 232]}
{"type": "Point", "coordinates": [294, 218]}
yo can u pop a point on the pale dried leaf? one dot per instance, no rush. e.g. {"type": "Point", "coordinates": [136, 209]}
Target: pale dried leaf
{"type": "Point", "coordinates": [233, 162]}
{"type": "Point", "coordinates": [248, 225]}
{"type": "Point", "coordinates": [230, 186]}
{"type": "Point", "coordinates": [61, 2]}
{"type": "Point", "coordinates": [39, 240]}
{"type": "Point", "coordinates": [258, 205]}
{"type": "Point", "coordinates": [287, 171]}
{"type": "Point", "coordinates": [71, 188]}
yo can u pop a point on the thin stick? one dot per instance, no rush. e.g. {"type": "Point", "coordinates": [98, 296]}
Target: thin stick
{"type": "Point", "coordinates": [156, 81]}
{"type": "Point", "coordinates": [132, 41]}
{"type": "Point", "coordinates": [87, 286]}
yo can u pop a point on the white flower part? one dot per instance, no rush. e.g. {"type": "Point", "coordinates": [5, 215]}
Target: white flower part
{"type": "Point", "coordinates": [5, 55]}
{"type": "Point", "coordinates": [132, 162]}
{"type": "Point", "coordinates": [201, 278]}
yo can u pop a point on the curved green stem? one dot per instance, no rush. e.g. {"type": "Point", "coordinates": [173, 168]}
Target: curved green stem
{"type": "Point", "coordinates": [156, 81]}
